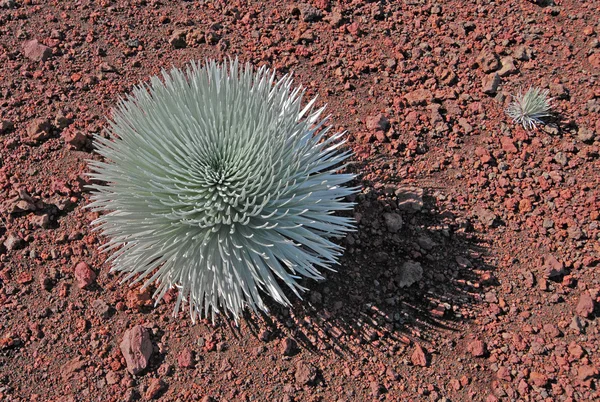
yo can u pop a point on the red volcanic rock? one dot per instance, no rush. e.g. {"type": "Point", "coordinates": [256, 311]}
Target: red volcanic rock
{"type": "Point", "coordinates": [38, 130]}
{"type": "Point", "coordinates": [136, 348]}
{"type": "Point", "coordinates": [378, 123]}
{"type": "Point", "coordinates": [418, 357]}
{"type": "Point", "coordinates": [289, 347]}
{"type": "Point", "coordinates": [35, 51]}
{"type": "Point", "coordinates": [477, 348]}
{"type": "Point", "coordinates": [585, 306]}
{"type": "Point", "coordinates": [84, 275]}
{"type": "Point", "coordinates": [186, 358]}
{"type": "Point", "coordinates": [157, 385]}
{"type": "Point", "coordinates": [306, 373]}
{"type": "Point", "coordinates": [419, 97]}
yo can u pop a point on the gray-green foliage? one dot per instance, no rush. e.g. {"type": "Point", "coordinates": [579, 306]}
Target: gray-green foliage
{"type": "Point", "coordinates": [216, 181]}
{"type": "Point", "coordinates": [530, 109]}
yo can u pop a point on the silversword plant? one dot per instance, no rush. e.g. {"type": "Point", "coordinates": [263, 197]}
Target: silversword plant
{"type": "Point", "coordinates": [530, 109]}
{"type": "Point", "coordinates": [217, 181]}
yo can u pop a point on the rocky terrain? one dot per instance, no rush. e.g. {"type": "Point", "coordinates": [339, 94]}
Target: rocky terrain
{"type": "Point", "coordinates": [473, 275]}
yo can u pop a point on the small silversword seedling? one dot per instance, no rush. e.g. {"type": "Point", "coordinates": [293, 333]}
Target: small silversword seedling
{"type": "Point", "coordinates": [530, 109]}
{"type": "Point", "coordinates": [217, 182]}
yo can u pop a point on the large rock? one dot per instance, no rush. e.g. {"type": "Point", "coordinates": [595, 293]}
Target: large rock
{"type": "Point", "coordinates": [585, 134]}
{"type": "Point", "coordinates": [84, 275]}
{"type": "Point", "coordinates": [393, 222]}
{"type": "Point", "coordinates": [508, 67]}
{"type": "Point", "coordinates": [8, 4]}
{"type": "Point", "coordinates": [378, 123]}
{"type": "Point", "coordinates": [177, 39]}
{"type": "Point", "coordinates": [419, 358]}
{"type": "Point", "coordinates": [490, 83]}
{"type": "Point", "coordinates": [552, 267]}
{"type": "Point", "coordinates": [523, 53]}
{"type": "Point", "coordinates": [5, 126]}
{"type": "Point", "coordinates": [38, 130]}
{"type": "Point", "coordinates": [410, 272]}
{"type": "Point", "coordinates": [410, 199]}
{"type": "Point", "coordinates": [35, 51]}
{"type": "Point", "coordinates": [477, 348]}
{"type": "Point", "coordinates": [289, 346]}
{"type": "Point", "coordinates": [136, 348]}
{"type": "Point", "coordinates": [419, 97]}
{"type": "Point", "coordinates": [155, 388]}
{"type": "Point", "coordinates": [594, 60]}
{"type": "Point", "coordinates": [186, 358]}
{"type": "Point", "coordinates": [488, 61]}
{"type": "Point", "coordinates": [310, 13]}
{"type": "Point", "coordinates": [585, 306]}
{"type": "Point", "coordinates": [14, 242]}
{"type": "Point", "coordinates": [306, 373]}
{"type": "Point", "coordinates": [485, 216]}
{"type": "Point", "coordinates": [75, 138]}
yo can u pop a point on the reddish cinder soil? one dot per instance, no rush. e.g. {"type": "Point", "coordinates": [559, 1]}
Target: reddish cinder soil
{"type": "Point", "coordinates": [504, 222]}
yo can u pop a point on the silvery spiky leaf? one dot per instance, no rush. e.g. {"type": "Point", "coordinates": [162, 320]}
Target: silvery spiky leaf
{"type": "Point", "coordinates": [216, 181]}
{"type": "Point", "coordinates": [531, 108]}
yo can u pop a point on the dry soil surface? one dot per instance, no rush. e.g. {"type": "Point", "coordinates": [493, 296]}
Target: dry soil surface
{"type": "Point", "coordinates": [504, 223]}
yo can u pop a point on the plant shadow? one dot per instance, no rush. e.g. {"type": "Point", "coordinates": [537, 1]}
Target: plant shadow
{"type": "Point", "coordinates": [366, 303]}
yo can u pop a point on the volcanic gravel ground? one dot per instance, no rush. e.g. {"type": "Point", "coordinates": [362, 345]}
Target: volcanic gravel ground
{"type": "Point", "coordinates": [473, 275]}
